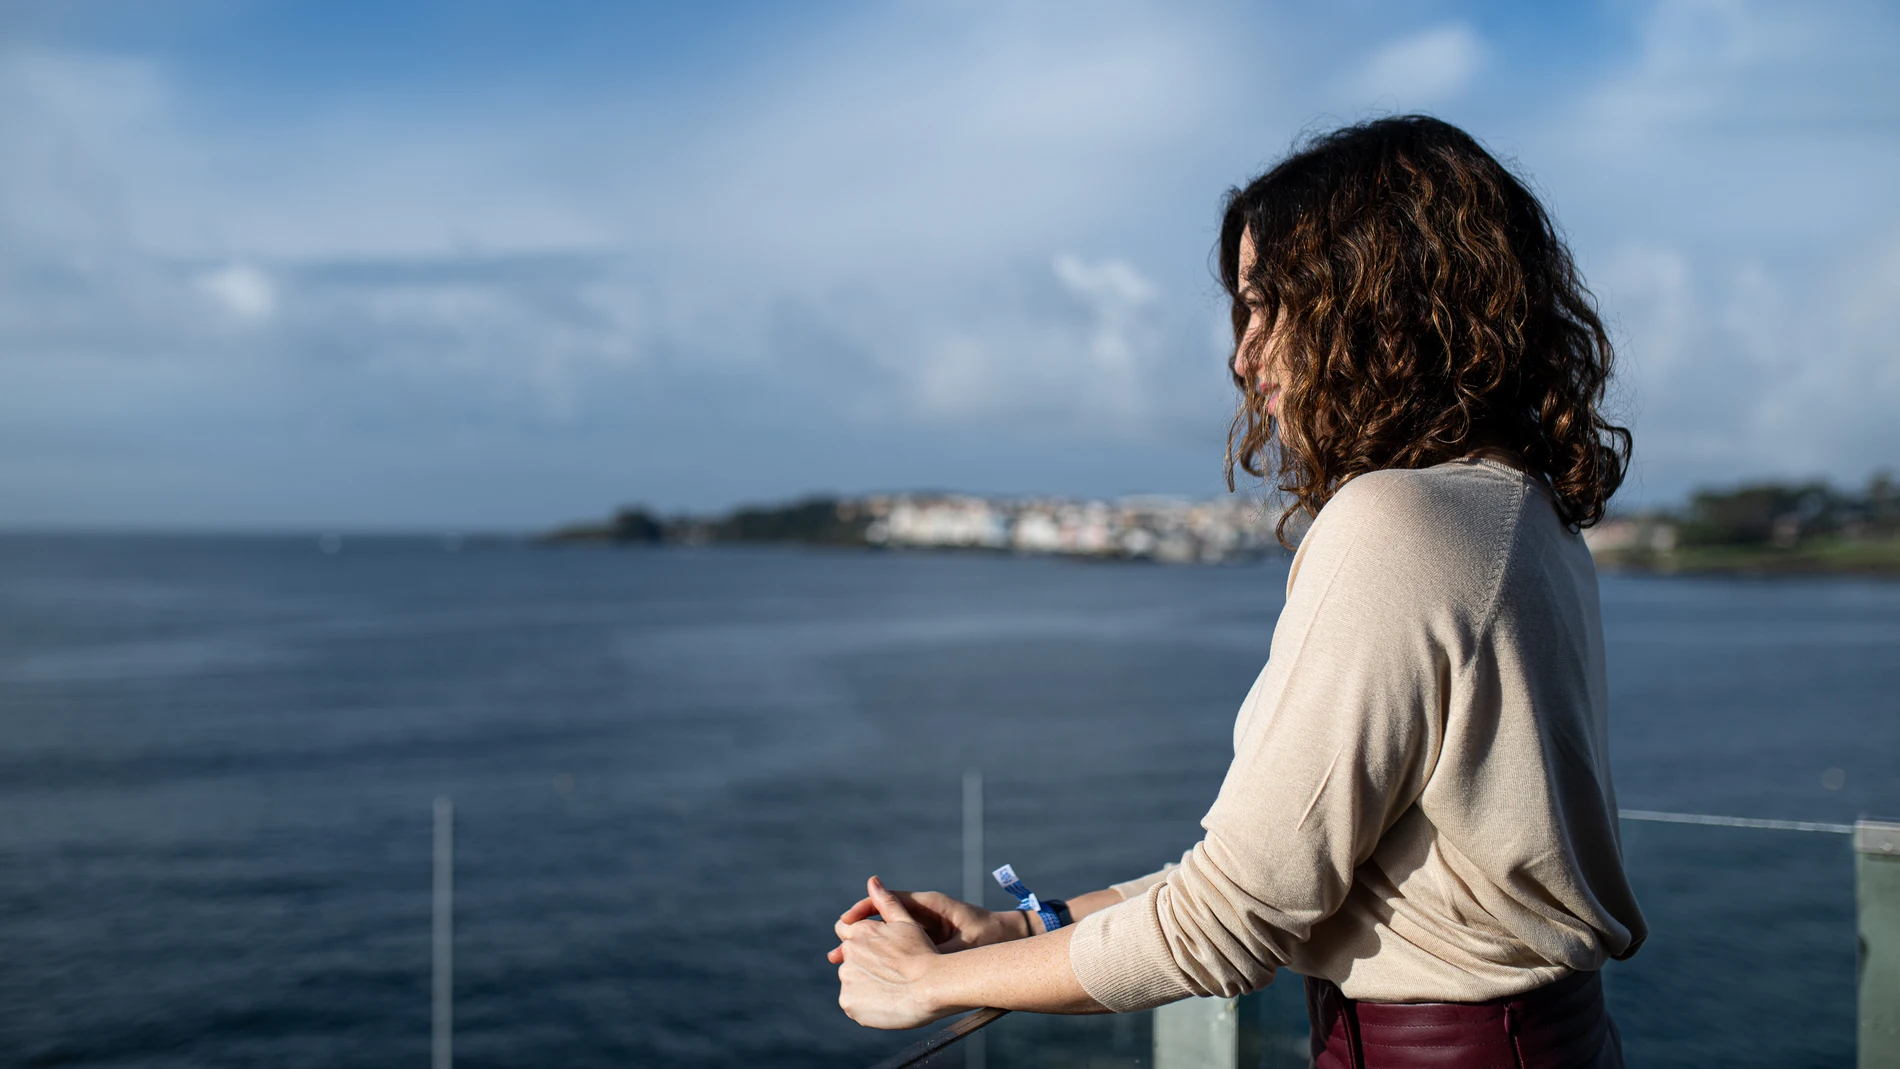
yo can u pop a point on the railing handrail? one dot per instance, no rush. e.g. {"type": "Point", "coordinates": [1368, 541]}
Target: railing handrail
{"type": "Point", "coordinates": [918, 1052]}
{"type": "Point", "coordinates": [921, 1051]}
{"type": "Point", "coordinates": [1736, 822]}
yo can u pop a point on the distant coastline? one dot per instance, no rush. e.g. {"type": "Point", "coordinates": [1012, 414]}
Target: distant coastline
{"type": "Point", "coordinates": [1167, 530]}
{"type": "Point", "coordinates": [1819, 556]}
{"type": "Point", "coordinates": [1759, 528]}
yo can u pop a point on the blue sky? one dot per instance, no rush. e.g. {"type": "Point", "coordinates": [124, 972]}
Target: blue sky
{"type": "Point", "coordinates": [450, 265]}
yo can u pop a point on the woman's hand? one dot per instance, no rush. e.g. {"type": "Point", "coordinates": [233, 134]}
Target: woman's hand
{"type": "Point", "coordinates": [951, 924]}
{"type": "Point", "coordinates": [884, 966]}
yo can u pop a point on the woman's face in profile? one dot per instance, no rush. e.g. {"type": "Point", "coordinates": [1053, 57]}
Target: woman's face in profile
{"type": "Point", "coordinates": [1257, 358]}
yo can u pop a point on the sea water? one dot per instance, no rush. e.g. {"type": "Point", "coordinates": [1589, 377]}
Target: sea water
{"type": "Point", "coordinates": [672, 768]}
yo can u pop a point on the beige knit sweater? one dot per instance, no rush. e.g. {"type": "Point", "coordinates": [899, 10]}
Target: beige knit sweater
{"type": "Point", "coordinates": [1419, 806]}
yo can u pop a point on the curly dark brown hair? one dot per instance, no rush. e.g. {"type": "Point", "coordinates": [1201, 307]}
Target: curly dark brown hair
{"type": "Point", "coordinates": [1422, 306]}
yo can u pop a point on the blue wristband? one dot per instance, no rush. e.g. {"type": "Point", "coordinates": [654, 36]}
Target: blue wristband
{"type": "Point", "coordinates": [1026, 899]}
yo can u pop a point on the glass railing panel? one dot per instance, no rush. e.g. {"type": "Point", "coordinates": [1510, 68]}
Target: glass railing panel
{"type": "Point", "coordinates": [1030, 1040]}
{"type": "Point", "coordinates": [1273, 1032]}
{"type": "Point", "coordinates": [1750, 961]}
{"type": "Point", "coordinates": [1750, 958]}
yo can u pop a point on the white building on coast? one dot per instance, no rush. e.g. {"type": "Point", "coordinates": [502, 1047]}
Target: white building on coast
{"type": "Point", "coordinates": [1147, 528]}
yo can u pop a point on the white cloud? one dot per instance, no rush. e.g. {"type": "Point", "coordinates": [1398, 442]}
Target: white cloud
{"type": "Point", "coordinates": [1123, 341]}
{"type": "Point", "coordinates": [1731, 168]}
{"type": "Point", "coordinates": [866, 228]}
{"type": "Point", "coordinates": [241, 290]}
{"type": "Point", "coordinates": [1425, 70]}
{"type": "Point", "coordinates": [1754, 368]}
{"type": "Point", "coordinates": [1094, 374]}
{"type": "Point", "coordinates": [874, 163]}
{"type": "Point", "coordinates": [1112, 285]}
{"type": "Point", "coordinates": [1648, 287]}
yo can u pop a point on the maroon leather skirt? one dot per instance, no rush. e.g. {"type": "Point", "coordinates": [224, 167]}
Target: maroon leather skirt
{"type": "Point", "coordinates": [1562, 1025]}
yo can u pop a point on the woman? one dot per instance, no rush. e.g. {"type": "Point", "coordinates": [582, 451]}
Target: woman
{"type": "Point", "coordinates": [1419, 809]}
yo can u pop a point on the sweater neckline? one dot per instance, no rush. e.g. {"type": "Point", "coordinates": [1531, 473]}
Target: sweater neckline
{"type": "Point", "coordinates": [1520, 474]}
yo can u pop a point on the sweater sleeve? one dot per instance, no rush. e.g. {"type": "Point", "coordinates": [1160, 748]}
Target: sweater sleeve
{"type": "Point", "coordinates": [1333, 744]}
{"type": "Point", "coordinates": [1138, 886]}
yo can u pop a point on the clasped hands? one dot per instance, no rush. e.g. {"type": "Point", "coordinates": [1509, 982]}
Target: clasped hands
{"type": "Point", "coordinates": [886, 968]}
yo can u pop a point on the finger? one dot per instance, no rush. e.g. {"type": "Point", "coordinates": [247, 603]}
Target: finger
{"type": "Point", "coordinates": [835, 955]}
{"type": "Point", "coordinates": [931, 900]}
{"type": "Point", "coordinates": [843, 931]}
{"type": "Point", "coordinates": [912, 900]}
{"type": "Point", "coordinates": [887, 903]}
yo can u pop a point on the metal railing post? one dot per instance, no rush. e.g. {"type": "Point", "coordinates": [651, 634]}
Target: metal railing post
{"type": "Point", "coordinates": [976, 1047]}
{"type": "Point", "coordinates": [1877, 918]}
{"type": "Point", "coordinates": [441, 1044]}
{"type": "Point", "coordinates": [1198, 1033]}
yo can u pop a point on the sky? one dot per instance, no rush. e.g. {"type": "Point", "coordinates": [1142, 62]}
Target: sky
{"type": "Point", "coordinates": [459, 266]}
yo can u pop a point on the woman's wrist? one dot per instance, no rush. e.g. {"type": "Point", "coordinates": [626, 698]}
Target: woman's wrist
{"type": "Point", "coordinates": [940, 982]}
{"type": "Point", "coordinates": [1094, 902]}
{"type": "Point", "coordinates": [1024, 974]}
{"type": "Point", "coordinates": [1021, 924]}
{"type": "Point", "coordinates": [1007, 925]}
